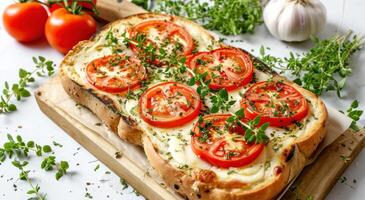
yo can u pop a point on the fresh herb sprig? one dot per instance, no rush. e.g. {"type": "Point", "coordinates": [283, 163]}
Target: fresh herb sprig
{"type": "Point", "coordinates": [16, 149]}
{"type": "Point", "coordinates": [21, 149]}
{"type": "Point", "coordinates": [24, 175]}
{"type": "Point", "coordinates": [226, 16]}
{"type": "Point", "coordinates": [18, 90]}
{"type": "Point", "coordinates": [253, 132]}
{"type": "Point", "coordinates": [49, 163]}
{"type": "Point", "coordinates": [354, 113]}
{"type": "Point", "coordinates": [220, 99]}
{"type": "Point", "coordinates": [324, 67]}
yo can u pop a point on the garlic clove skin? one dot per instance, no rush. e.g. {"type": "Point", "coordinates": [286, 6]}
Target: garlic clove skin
{"type": "Point", "coordinates": [294, 20]}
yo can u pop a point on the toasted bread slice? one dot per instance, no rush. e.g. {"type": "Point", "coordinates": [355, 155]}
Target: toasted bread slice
{"type": "Point", "coordinates": [169, 149]}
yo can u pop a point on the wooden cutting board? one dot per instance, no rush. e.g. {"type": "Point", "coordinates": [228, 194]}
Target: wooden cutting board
{"type": "Point", "coordinates": [316, 180]}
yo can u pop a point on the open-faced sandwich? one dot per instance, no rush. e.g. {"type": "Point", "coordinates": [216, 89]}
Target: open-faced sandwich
{"type": "Point", "coordinates": [214, 122]}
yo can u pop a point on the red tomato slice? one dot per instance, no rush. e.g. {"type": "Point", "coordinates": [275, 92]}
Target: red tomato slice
{"type": "Point", "coordinates": [169, 104]}
{"type": "Point", "coordinates": [276, 102]}
{"type": "Point", "coordinates": [115, 73]}
{"type": "Point", "coordinates": [226, 68]}
{"type": "Point", "coordinates": [163, 34]}
{"type": "Point", "coordinates": [223, 147]}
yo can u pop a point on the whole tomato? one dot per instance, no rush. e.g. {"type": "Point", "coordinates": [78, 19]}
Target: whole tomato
{"type": "Point", "coordinates": [56, 4]}
{"type": "Point", "coordinates": [25, 21]}
{"type": "Point", "coordinates": [64, 29]}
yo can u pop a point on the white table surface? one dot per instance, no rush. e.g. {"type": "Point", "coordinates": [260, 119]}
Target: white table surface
{"type": "Point", "coordinates": [102, 185]}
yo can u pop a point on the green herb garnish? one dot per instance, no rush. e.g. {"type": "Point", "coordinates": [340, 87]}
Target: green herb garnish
{"type": "Point", "coordinates": [24, 175]}
{"type": "Point", "coordinates": [324, 67]}
{"type": "Point", "coordinates": [21, 149]}
{"type": "Point", "coordinates": [18, 90]}
{"type": "Point", "coordinates": [354, 114]}
{"type": "Point", "coordinates": [16, 149]}
{"type": "Point", "coordinates": [253, 132]}
{"type": "Point", "coordinates": [226, 16]}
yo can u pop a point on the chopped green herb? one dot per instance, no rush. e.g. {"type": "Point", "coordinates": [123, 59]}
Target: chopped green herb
{"type": "Point", "coordinates": [124, 184]}
{"type": "Point", "coordinates": [57, 144]}
{"type": "Point", "coordinates": [96, 167]}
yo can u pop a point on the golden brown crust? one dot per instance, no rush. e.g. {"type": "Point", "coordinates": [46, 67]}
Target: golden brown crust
{"type": "Point", "coordinates": [85, 98]}
{"type": "Point", "coordinates": [199, 184]}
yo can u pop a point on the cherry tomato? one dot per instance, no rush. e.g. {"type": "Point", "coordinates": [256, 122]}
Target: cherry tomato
{"type": "Point", "coordinates": [223, 146]}
{"type": "Point", "coordinates": [162, 34]}
{"type": "Point", "coordinates": [169, 104]}
{"type": "Point", "coordinates": [276, 102]}
{"type": "Point", "coordinates": [115, 73]}
{"type": "Point", "coordinates": [64, 30]}
{"type": "Point", "coordinates": [57, 5]}
{"type": "Point", "coordinates": [25, 21]}
{"type": "Point", "coordinates": [226, 68]}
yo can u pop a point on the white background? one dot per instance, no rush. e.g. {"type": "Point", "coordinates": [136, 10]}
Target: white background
{"type": "Point", "coordinates": [102, 185]}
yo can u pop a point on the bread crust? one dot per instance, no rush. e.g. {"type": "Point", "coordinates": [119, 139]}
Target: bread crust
{"type": "Point", "coordinates": [202, 185]}
{"type": "Point", "coordinates": [197, 184]}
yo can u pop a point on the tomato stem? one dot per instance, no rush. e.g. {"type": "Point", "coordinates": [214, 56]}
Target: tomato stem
{"type": "Point", "coordinates": [74, 7]}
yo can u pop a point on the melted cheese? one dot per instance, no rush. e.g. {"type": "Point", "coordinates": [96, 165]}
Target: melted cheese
{"type": "Point", "coordinates": [174, 144]}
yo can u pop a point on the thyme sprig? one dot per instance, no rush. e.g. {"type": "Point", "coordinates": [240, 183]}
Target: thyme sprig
{"type": "Point", "coordinates": [226, 16]}
{"type": "Point", "coordinates": [325, 67]}
{"type": "Point", "coordinates": [18, 90]}
{"type": "Point", "coordinates": [24, 175]}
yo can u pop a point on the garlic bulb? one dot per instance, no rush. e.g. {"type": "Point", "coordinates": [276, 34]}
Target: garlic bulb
{"type": "Point", "coordinates": [294, 20]}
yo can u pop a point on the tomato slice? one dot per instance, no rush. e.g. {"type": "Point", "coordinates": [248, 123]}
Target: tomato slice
{"type": "Point", "coordinates": [226, 68]}
{"type": "Point", "coordinates": [276, 102]}
{"type": "Point", "coordinates": [169, 104]}
{"type": "Point", "coordinates": [163, 34]}
{"type": "Point", "coordinates": [221, 146]}
{"type": "Point", "coordinates": [115, 73]}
